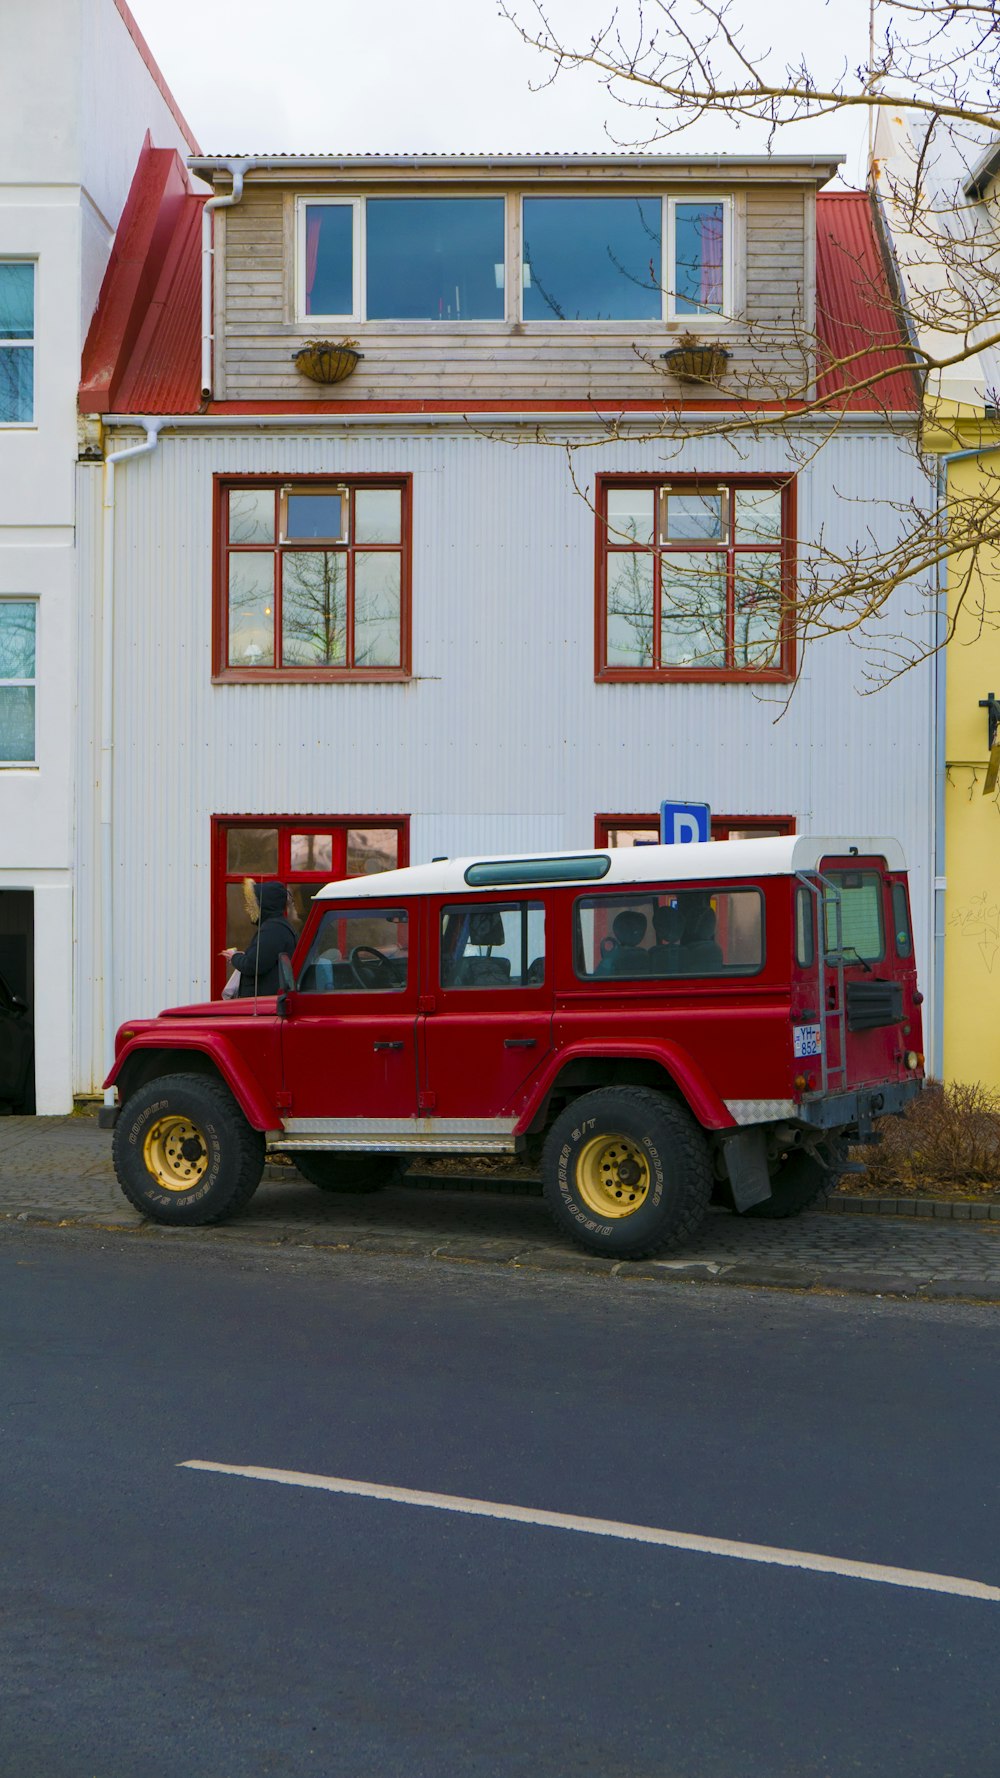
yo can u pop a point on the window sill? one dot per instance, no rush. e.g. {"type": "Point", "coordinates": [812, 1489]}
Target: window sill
{"type": "Point", "coordinates": [313, 676]}
{"type": "Point", "coordinates": [692, 676]}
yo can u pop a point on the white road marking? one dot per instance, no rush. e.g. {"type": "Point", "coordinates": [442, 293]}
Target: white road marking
{"type": "Point", "coordinates": [677, 1540]}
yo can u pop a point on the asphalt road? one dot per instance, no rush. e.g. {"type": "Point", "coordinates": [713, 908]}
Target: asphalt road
{"type": "Point", "coordinates": [165, 1622]}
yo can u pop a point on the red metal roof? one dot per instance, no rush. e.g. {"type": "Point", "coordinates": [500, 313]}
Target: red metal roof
{"type": "Point", "coordinates": [861, 331]}
{"type": "Point", "coordinates": [143, 352]}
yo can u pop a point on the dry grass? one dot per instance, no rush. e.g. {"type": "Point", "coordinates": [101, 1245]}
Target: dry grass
{"type": "Point", "coordinates": [948, 1142]}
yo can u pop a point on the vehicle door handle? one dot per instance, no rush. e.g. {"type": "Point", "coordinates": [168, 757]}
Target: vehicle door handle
{"type": "Point", "coordinates": [389, 1046]}
{"type": "Point", "coordinates": [519, 1043]}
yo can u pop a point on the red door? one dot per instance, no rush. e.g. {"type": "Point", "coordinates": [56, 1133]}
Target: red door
{"type": "Point", "coordinates": [349, 1037]}
{"type": "Point", "coordinates": [487, 1024]}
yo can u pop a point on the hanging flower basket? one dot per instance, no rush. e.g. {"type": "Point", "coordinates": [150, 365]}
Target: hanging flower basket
{"type": "Point", "coordinates": [327, 361]}
{"type": "Point", "coordinates": [694, 362]}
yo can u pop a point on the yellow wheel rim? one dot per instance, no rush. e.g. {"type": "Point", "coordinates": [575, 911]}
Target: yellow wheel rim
{"type": "Point", "coordinates": [612, 1175]}
{"type": "Point", "coordinates": [175, 1153]}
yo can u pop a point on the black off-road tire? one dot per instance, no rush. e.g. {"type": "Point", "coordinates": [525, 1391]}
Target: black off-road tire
{"type": "Point", "coordinates": [346, 1172]}
{"type": "Point", "coordinates": [235, 1151]}
{"type": "Point", "coordinates": [801, 1180]}
{"type": "Point", "coordinates": [668, 1142]}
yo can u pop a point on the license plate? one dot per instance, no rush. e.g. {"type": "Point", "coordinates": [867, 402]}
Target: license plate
{"type": "Point", "coordinates": [808, 1040]}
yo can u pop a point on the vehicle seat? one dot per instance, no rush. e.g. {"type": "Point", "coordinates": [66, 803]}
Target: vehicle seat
{"type": "Point", "coordinates": [665, 957]}
{"type": "Point", "coordinates": [700, 954]}
{"type": "Point", "coordinates": [629, 958]}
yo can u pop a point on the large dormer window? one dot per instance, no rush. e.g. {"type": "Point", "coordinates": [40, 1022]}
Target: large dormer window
{"type": "Point", "coordinates": [402, 259]}
{"type": "Point", "coordinates": [591, 259]}
{"type": "Point", "coordinates": [536, 259]}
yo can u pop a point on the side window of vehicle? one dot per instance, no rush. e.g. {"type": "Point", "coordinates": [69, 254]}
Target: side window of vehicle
{"type": "Point", "coordinates": [901, 921]}
{"type": "Point", "coordinates": [358, 950]}
{"type": "Point", "coordinates": [669, 932]}
{"type": "Point", "coordinates": [493, 945]}
{"type": "Point", "coordinates": [805, 939]}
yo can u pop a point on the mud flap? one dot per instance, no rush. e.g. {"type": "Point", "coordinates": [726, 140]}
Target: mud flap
{"type": "Point", "coordinates": [745, 1154]}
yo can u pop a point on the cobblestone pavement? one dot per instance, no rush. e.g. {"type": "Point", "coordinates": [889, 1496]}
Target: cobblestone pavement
{"type": "Point", "coordinates": [58, 1170]}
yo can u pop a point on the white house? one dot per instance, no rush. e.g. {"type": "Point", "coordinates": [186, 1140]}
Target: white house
{"type": "Point", "coordinates": [79, 94]}
{"type": "Point", "coordinates": [514, 579]}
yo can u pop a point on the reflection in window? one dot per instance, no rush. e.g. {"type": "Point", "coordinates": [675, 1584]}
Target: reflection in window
{"type": "Point", "coordinates": [591, 259]}
{"type": "Point", "coordinates": [17, 342]}
{"type": "Point", "coordinates": [371, 849]}
{"type": "Point", "coordinates": [358, 951]}
{"type": "Point", "coordinates": [311, 852]}
{"type": "Point", "coordinates": [17, 681]}
{"type": "Point", "coordinates": [329, 259]}
{"type": "Point", "coordinates": [435, 259]}
{"type": "Point", "coordinates": [336, 606]}
{"type": "Point", "coordinates": [313, 608]}
{"type": "Point", "coordinates": [699, 257]}
{"type": "Point", "coordinates": [709, 594]}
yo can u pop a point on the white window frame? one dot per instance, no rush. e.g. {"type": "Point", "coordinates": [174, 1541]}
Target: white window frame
{"type": "Point", "coordinates": [7, 765]}
{"type": "Point", "coordinates": [706, 317]}
{"type": "Point", "coordinates": [357, 245]}
{"type": "Point", "coordinates": [29, 345]}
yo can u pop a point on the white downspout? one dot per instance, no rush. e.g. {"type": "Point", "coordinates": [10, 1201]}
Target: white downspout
{"type": "Point", "coordinates": [944, 462]}
{"type": "Point", "coordinates": [106, 763]}
{"type": "Point", "coordinates": [238, 169]}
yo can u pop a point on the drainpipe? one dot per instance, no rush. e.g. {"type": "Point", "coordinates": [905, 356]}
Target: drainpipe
{"type": "Point", "coordinates": [238, 169]}
{"type": "Point", "coordinates": [106, 765]}
{"type": "Point", "coordinates": [940, 745]}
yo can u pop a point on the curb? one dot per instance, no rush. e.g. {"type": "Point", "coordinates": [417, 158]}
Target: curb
{"type": "Point", "coordinates": [840, 1204]}
{"type": "Point", "coordinates": [508, 1256]}
{"type": "Point", "coordinates": [947, 1209]}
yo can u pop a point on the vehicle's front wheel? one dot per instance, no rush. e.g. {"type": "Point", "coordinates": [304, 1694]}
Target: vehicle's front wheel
{"type": "Point", "coordinates": [801, 1180]}
{"type": "Point", "coordinates": [345, 1172]}
{"type": "Point", "coordinates": [627, 1172]}
{"type": "Point", "coordinates": [184, 1153]}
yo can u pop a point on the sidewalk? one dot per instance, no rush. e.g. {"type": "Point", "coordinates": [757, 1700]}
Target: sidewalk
{"type": "Point", "coordinates": [57, 1171]}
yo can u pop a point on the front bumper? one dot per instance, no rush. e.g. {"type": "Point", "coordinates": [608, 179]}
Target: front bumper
{"type": "Point", "coordinates": [858, 1108]}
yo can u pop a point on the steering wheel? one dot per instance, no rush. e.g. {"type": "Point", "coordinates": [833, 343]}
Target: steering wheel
{"type": "Point", "coordinates": [366, 957]}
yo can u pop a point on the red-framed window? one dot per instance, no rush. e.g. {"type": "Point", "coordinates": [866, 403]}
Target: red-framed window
{"type": "Point", "coordinates": [695, 578]}
{"type": "Point", "coordinates": [642, 829]}
{"type": "Point", "coordinates": [312, 578]}
{"type": "Point", "coordinates": [302, 851]}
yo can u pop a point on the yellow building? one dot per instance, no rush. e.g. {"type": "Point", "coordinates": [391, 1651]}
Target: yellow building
{"type": "Point", "coordinates": [971, 819]}
{"type": "Point", "coordinates": [940, 206]}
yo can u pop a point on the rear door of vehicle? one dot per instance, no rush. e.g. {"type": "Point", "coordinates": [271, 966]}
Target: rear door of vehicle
{"type": "Point", "coordinates": [867, 987]}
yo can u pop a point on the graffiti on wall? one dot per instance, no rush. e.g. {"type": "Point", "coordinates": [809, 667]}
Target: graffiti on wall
{"type": "Point", "coordinates": [978, 920]}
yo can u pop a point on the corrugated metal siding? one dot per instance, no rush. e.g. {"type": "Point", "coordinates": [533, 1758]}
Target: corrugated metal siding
{"type": "Point", "coordinates": [502, 739]}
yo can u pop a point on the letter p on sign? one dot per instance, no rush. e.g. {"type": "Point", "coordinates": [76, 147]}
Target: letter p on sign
{"type": "Point", "coordinates": [683, 824]}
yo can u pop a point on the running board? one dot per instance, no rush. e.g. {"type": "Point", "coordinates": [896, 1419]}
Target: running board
{"type": "Point", "coordinates": [410, 1144]}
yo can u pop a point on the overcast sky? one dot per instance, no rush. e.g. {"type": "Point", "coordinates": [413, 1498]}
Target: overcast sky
{"type": "Point", "coordinates": [329, 76]}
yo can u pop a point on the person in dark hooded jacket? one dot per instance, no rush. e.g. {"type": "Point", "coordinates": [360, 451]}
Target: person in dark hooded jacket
{"type": "Point", "coordinates": [267, 905]}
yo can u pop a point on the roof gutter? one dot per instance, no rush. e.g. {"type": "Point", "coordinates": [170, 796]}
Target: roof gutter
{"type": "Point", "coordinates": [334, 422]}
{"type": "Point", "coordinates": [983, 175]}
{"type": "Point", "coordinates": [238, 171]}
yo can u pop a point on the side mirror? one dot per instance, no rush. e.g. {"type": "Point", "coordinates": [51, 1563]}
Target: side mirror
{"type": "Point", "coordinates": [286, 983]}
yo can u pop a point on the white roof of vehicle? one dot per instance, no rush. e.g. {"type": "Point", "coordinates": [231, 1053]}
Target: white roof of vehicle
{"type": "Point", "coordinates": [711, 860]}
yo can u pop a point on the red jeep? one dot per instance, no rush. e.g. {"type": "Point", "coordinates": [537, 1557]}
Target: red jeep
{"type": "Point", "coordinates": [663, 1025]}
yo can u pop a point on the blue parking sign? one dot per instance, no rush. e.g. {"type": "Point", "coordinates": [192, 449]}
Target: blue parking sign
{"type": "Point", "coordinates": [682, 824]}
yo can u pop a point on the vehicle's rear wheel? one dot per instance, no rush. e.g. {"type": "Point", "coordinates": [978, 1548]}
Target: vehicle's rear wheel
{"type": "Point", "coordinates": [347, 1172]}
{"type": "Point", "coordinates": [184, 1153]}
{"type": "Point", "coordinates": [801, 1180]}
{"type": "Point", "coordinates": [627, 1172]}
